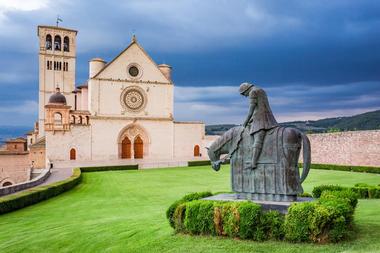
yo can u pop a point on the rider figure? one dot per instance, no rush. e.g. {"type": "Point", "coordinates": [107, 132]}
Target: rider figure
{"type": "Point", "coordinates": [260, 117]}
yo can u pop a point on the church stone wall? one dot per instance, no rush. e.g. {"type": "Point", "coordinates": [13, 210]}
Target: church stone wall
{"type": "Point", "coordinates": [59, 144]}
{"type": "Point", "coordinates": [105, 99]}
{"type": "Point", "coordinates": [118, 69]}
{"type": "Point", "coordinates": [106, 87]}
{"type": "Point", "coordinates": [156, 134]}
{"type": "Point", "coordinates": [361, 148]}
{"type": "Point", "coordinates": [186, 136]}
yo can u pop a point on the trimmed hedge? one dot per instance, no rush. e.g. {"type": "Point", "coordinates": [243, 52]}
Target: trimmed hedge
{"type": "Point", "coordinates": [328, 219]}
{"type": "Point", "coordinates": [317, 191]}
{"type": "Point", "coordinates": [37, 194]}
{"type": "Point", "coordinates": [367, 169]}
{"type": "Point", "coordinates": [198, 163]}
{"type": "Point", "coordinates": [110, 168]}
{"type": "Point", "coordinates": [204, 163]}
{"type": "Point", "coordinates": [363, 191]}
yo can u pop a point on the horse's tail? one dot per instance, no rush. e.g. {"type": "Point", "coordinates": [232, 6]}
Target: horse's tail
{"type": "Point", "coordinates": [306, 156]}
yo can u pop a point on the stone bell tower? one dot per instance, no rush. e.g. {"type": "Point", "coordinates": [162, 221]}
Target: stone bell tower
{"type": "Point", "coordinates": [57, 59]}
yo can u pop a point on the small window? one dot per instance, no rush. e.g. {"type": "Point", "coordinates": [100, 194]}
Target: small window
{"type": "Point", "coordinates": [133, 71]}
{"type": "Point", "coordinates": [66, 44]}
{"type": "Point", "coordinates": [57, 43]}
{"type": "Point", "coordinates": [57, 118]}
{"type": "Point", "coordinates": [65, 66]}
{"type": "Point", "coordinates": [7, 183]}
{"type": "Point", "coordinates": [48, 42]}
{"type": "Point", "coordinates": [197, 151]}
{"type": "Point", "coordinates": [73, 154]}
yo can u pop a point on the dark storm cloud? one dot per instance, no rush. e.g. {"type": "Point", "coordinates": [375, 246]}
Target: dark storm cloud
{"type": "Point", "coordinates": [315, 58]}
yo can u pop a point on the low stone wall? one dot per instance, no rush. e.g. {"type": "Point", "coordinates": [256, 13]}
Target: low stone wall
{"type": "Point", "coordinates": [358, 148]}
{"type": "Point", "coordinates": [29, 184]}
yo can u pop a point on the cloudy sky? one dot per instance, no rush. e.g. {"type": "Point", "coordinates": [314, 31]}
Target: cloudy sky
{"type": "Point", "coordinates": [315, 59]}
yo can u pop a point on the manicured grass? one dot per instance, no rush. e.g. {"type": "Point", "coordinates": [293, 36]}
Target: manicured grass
{"type": "Point", "coordinates": [124, 211]}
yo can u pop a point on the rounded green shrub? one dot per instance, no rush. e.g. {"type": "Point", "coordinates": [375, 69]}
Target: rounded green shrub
{"type": "Point", "coordinates": [199, 217]}
{"type": "Point", "coordinates": [189, 197]}
{"type": "Point", "coordinates": [297, 223]}
{"type": "Point", "coordinates": [250, 225]}
{"type": "Point", "coordinates": [273, 225]}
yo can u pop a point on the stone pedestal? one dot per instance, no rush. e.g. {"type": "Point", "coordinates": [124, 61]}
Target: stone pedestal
{"type": "Point", "coordinates": [281, 206]}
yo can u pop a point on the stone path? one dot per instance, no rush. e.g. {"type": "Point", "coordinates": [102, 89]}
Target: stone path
{"type": "Point", "coordinates": [58, 174]}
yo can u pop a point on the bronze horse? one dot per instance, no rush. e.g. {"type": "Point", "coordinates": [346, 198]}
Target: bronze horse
{"type": "Point", "coordinates": [277, 176]}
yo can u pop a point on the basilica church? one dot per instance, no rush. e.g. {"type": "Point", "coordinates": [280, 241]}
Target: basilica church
{"type": "Point", "coordinates": [123, 111]}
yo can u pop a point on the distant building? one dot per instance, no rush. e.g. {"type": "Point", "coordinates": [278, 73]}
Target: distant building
{"type": "Point", "coordinates": [14, 162]}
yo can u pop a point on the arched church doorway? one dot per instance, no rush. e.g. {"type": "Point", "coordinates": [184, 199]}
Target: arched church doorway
{"type": "Point", "coordinates": [126, 148]}
{"type": "Point", "coordinates": [73, 154]}
{"type": "Point", "coordinates": [133, 142]}
{"type": "Point", "coordinates": [196, 150]}
{"type": "Point", "coordinates": [138, 147]}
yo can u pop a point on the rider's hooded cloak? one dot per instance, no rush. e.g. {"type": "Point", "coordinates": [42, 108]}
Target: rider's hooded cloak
{"type": "Point", "coordinates": [262, 117]}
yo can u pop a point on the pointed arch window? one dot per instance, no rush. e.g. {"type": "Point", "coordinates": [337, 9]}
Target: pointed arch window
{"type": "Point", "coordinates": [57, 43]}
{"type": "Point", "coordinates": [48, 42]}
{"type": "Point", "coordinates": [66, 44]}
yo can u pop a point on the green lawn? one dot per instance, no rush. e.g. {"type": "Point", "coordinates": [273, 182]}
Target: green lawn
{"type": "Point", "coordinates": [124, 211]}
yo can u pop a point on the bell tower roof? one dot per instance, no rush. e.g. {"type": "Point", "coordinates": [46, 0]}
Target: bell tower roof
{"type": "Point", "coordinates": [55, 28]}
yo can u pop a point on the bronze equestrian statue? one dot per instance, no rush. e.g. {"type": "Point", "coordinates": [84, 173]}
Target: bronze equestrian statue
{"type": "Point", "coordinates": [263, 155]}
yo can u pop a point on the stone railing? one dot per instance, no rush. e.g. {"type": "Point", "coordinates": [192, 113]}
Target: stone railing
{"type": "Point", "coordinates": [45, 173]}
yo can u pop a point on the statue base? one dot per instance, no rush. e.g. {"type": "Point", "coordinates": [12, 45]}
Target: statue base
{"type": "Point", "coordinates": [267, 205]}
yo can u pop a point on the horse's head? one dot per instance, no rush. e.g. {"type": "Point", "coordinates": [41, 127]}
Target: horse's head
{"type": "Point", "coordinates": [223, 145]}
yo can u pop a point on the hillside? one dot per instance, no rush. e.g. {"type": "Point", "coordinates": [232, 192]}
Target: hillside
{"type": "Point", "coordinates": [364, 121]}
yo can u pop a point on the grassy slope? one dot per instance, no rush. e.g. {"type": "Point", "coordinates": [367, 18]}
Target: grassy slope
{"type": "Point", "coordinates": [116, 211]}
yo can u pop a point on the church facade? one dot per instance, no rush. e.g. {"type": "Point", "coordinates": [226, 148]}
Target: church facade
{"type": "Point", "coordinates": [123, 111]}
